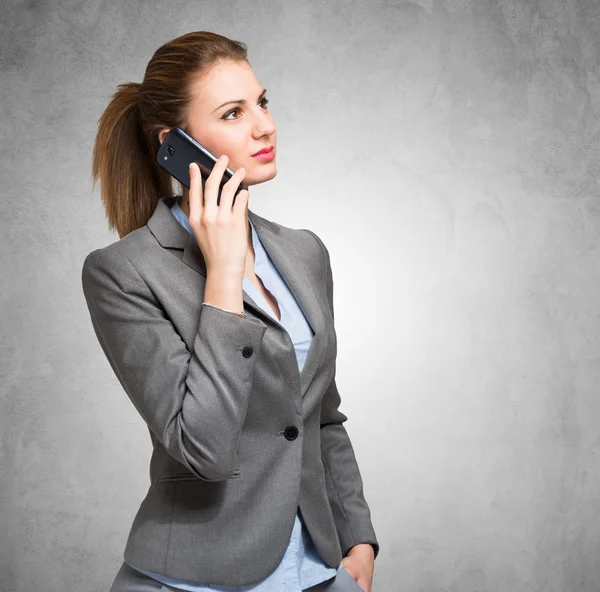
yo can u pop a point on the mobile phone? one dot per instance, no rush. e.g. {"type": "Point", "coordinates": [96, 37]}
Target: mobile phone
{"type": "Point", "coordinates": [179, 149]}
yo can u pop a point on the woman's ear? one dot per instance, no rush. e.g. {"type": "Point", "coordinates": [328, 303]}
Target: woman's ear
{"type": "Point", "coordinates": [163, 132]}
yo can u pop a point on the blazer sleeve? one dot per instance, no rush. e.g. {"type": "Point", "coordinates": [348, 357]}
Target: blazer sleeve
{"type": "Point", "coordinates": [351, 512]}
{"type": "Point", "coordinates": [195, 402]}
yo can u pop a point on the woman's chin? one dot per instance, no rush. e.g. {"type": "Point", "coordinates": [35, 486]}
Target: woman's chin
{"type": "Point", "coordinates": [259, 178]}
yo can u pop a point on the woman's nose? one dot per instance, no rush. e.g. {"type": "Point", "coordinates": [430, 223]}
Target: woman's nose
{"type": "Point", "coordinates": [264, 125]}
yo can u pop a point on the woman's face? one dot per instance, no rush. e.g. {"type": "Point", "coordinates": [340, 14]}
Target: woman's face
{"type": "Point", "coordinates": [236, 129]}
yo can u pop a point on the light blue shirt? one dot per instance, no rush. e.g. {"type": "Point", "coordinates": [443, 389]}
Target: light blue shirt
{"type": "Point", "coordinates": [301, 566]}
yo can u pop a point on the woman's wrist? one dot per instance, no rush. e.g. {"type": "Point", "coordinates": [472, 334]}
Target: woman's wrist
{"type": "Point", "coordinates": [237, 314]}
{"type": "Point", "coordinates": [224, 292]}
{"type": "Point", "coordinates": [362, 549]}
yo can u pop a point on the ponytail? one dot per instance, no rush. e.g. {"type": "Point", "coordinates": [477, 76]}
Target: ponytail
{"type": "Point", "coordinates": [122, 159]}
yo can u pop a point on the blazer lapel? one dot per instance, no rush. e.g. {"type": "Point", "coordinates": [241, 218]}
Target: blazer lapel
{"type": "Point", "coordinates": [285, 255]}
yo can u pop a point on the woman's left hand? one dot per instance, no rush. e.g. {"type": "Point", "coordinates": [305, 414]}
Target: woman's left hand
{"type": "Point", "coordinates": [359, 563]}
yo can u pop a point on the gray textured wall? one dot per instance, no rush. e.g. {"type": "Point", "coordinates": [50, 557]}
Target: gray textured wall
{"type": "Point", "coordinates": [447, 154]}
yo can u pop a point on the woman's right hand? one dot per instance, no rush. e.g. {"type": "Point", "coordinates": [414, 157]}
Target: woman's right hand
{"type": "Point", "coordinates": [221, 230]}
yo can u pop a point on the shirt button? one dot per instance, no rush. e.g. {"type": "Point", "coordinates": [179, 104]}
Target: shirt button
{"type": "Point", "coordinates": [247, 351]}
{"type": "Point", "coordinates": [291, 432]}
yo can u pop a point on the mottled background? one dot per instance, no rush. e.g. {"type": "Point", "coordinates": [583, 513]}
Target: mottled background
{"type": "Point", "coordinates": [446, 151]}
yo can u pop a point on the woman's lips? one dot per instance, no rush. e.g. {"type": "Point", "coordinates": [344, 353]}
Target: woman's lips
{"type": "Point", "coordinates": [265, 155]}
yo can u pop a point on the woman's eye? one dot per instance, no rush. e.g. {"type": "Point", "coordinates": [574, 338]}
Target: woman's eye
{"type": "Point", "coordinates": [236, 109]}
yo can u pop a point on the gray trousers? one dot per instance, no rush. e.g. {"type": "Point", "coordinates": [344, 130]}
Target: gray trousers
{"type": "Point", "coordinates": [131, 580]}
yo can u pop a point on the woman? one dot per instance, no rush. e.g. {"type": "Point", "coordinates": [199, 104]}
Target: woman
{"type": "Point", "coordinates": [219, 326]}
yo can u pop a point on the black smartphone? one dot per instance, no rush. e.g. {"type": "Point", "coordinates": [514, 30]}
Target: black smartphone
{"type": "Point", "coordinates": [179, 149]}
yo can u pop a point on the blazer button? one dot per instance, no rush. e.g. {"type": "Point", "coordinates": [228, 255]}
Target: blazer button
{"type": "Point", "coordinates": [247, 351]}
{"type": "Point", "coordinates": [291, 432]}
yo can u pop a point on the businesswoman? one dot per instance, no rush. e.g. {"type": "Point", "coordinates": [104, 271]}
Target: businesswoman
{"type": "Point", "coordinates": [219, 325]}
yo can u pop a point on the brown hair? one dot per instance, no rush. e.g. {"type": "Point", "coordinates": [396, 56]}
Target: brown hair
{"type": "Point", "coordinates": [124, 155]}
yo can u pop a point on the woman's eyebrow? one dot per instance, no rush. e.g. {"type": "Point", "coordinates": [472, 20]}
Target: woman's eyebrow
{"type": "Point", "coordinates": [240, 101]}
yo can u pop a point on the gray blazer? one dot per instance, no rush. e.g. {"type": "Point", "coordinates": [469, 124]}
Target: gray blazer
{"type": "Point", "coordinates": [240, 437]}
